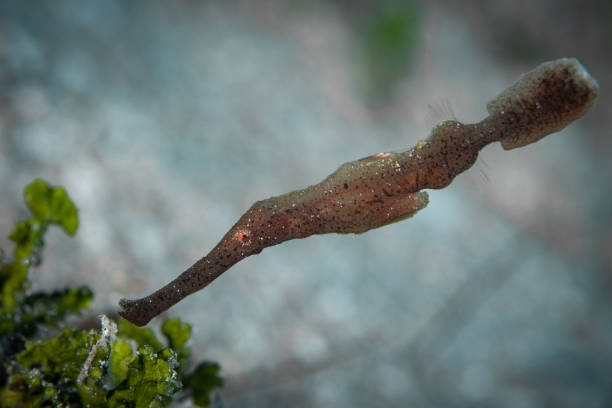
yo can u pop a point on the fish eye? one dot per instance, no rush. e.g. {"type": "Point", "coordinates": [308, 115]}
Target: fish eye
{"type": "Point", "coordinates": [243, 236]}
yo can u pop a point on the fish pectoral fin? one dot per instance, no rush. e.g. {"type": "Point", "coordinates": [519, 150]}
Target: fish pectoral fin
{"type": "Point", "coordinates": [406, 206]}
{"type": "Point", "coordinates": [396, 209]}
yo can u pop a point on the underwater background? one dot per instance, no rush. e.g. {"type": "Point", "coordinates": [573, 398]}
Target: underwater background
{"type": "Point", "coordinates": [165, 121]}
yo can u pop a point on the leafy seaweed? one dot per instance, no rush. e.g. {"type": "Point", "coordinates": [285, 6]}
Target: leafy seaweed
{"type": "Point", "coordinates": [129, 367]}
{"type": "Point", "coordinates": [202, 381]}
{"type": "Point", "coordinates": [141, 335]}
{"type": "Point", "coordinates": [47, 372]}
{"type": "Point", "coordinates": [48, 309]}
{"type": "Point", "coordinates": [49, 206]}
{"type": "Point", "coordinates": [22, 313]}
{"type": "Point", "coordinates": [177, 333]}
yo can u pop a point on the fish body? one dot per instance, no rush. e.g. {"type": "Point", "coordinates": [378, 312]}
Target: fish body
{"type": "Point", "coordinates": [387, 187]}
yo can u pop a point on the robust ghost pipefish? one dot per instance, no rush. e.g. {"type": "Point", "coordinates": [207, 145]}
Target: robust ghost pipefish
{"type": "Point", "coordinates": [387, 187]}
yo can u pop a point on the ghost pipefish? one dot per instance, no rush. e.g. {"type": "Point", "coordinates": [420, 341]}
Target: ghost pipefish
{"type": "Point", "coordinates": [386, 187]}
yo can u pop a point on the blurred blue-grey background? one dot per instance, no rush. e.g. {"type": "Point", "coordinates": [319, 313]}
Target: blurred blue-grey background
{"type": "Point", "coordinates": [165, 121]}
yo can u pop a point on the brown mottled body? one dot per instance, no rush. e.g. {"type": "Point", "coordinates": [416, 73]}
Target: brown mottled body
{"type": "Point", "coordinates": [386, 187]}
